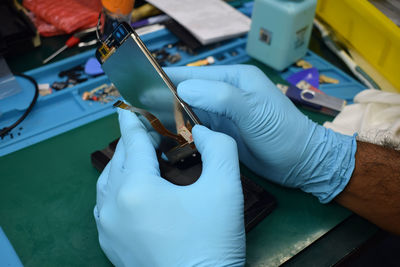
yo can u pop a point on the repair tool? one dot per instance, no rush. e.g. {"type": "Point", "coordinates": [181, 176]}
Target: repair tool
{"type": "Point", "coordinates": [313, 100]}
{"type": "Point", "coordinates": [326, 79]}
{"type": "Point", "coordinates": [104, 93]}
{"type": "Point", "coordinates": [202, 62]}
{"type": "Point", "coordinates": [150, 21]}
{"type": "Point", "coordinates": [310, 75]}
{"type": "Point", "coordinates": [344, 56]}
{"type": "Point", "coordinates": [72, 41]}
{"type": "Point", "coordinates": [303, 64]}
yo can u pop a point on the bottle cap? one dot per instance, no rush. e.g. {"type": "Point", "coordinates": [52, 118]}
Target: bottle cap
{"type": "Point", "coordinates": [120, 7]}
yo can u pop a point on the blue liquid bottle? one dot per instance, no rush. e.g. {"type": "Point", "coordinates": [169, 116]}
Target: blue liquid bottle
{"type": "Point", "coordinates": [280, 31]}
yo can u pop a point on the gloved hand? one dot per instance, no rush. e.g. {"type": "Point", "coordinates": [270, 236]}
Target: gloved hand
{"type": "Point", "coordinates": [144, 220]}
{"type": "Point", "coordinates": [274, 138]}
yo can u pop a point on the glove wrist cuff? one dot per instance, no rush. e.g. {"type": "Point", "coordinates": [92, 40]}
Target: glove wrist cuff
{"type": "Point", "coordinates": [330, 163]}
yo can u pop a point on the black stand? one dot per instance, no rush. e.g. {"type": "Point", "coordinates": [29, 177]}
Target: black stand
{"type": "Point", "coordinates": [258, 203]}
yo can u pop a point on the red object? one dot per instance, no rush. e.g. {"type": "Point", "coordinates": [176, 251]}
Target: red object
{"type": "Point", "coordinates": [66, 15]}
{"type": "Point", "coordinates": [316, 90]}
{"type": "Point", "coordinates": [306, 85]}
{"type": "Point", "coordinates": [72, 41]}
{"type": "Point", "coordinates": [44, 28]}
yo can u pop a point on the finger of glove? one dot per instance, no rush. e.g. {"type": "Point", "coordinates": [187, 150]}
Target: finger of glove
{"type": "Point", "coordinates": [140, 154]}
{"type": "Point", "coordinates": [246, 77]}
{"type": "Point", "coordinates": [155, 138]}
{"type": "Point", "coordinates": [218, 154]}
{"type": "Point", "coordinates": [118, 158]}
{"type": "Point", "coordinates": [116, 161]}
{"type": "Point", "coordinates": [104, 182]}
{"type": "Point", "coordinates": [204, 117]}
{"type": "Point", "coordinates": [218, 123]}
{"type": "Point", "coordinates": [101, 186]}
{"type": "Point", "coordinates": [214, 96]}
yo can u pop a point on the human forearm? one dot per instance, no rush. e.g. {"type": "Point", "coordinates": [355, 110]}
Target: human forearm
{"type": "Point", "coordinates": [277, 140]}
{"type": "Point", "coordinates": [373, 191]}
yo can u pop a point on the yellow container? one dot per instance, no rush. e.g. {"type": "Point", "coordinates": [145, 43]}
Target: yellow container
{"type": "Point", "coordinates": [368, 30]}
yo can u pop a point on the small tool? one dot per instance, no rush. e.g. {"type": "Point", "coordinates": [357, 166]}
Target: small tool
{"type": "Point", "coordinates": [326, 79]}
{"type": "Point", "coordinates": [150, 21]}
{"type": "Point", "coordinates": [304, 64]}
{"type": "Point", "coordinates": [93, 67]}
{"type": "Point", "coordinates": [311, 76]}
{"type": "Point", "coordinates": [202, 62]}
{"type": "Point", "coordinates": [316, 101]}
{"type": "Point", "coordinates": [89, 43]}
{"type": "Point", "coordinates": [72, 41]}
{"type": "Point", "coordinates": [345, 57]}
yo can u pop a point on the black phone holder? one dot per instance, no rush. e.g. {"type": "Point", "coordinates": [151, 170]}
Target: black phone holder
{"type": "Point", "coordinates": [258, 203]}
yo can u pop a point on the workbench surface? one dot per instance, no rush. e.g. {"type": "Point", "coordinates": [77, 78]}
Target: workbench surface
{"type": "Point", "coordinates": [48, 192]}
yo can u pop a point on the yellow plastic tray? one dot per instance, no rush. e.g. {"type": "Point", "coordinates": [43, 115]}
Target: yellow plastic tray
{"type": "Point", "coordinates": [368, 30]}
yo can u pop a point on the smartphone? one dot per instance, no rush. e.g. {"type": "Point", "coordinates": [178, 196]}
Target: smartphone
{"type": "Point", "coordinates": [133, 70]}
{"type": "Point", "coordinates": [141, 81]}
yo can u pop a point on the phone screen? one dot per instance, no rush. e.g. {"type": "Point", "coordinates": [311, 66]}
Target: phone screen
{"type": "Point", "coordinates": [143, 84]}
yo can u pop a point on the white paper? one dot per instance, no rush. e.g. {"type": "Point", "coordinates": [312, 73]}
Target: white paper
{"type": "Point", "coordinates": [208, 20]}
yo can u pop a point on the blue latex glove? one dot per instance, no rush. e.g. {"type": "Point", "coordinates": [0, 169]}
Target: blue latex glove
{"type": "Point", "coordinates": [274, 138]}
{"type": "Point", "coordinates": [144, 220]}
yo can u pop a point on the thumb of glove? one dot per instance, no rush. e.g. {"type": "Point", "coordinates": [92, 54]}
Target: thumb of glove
{"type": "Point", "coordinates": [218, 152]}
{"type": "Point", "coordinates": [213, 96]}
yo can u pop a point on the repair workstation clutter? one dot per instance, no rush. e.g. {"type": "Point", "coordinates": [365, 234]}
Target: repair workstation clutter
{"type": "Point", "coordinates": [214, 132]}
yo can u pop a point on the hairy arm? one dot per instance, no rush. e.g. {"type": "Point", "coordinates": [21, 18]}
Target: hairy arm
{"type": "Point", "coordinates": [373, 191]}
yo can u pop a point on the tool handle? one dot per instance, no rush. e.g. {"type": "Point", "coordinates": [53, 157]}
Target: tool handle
{"type": "Point", "coordinates": [72, 41]}
{"type": "Point", "coordinates": [365, 78]}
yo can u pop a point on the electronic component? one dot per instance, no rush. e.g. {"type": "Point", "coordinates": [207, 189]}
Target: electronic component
{"type": "Point", "coordinates": [140, 70]}
{"type": "Point", "coordinates": [114, 41]}
{"type": "Point", "coordinates": [142, 82]}
{"type": "Point", "coordinates": [154, 121]}
{"type": "Point", "coordinates": [59, 85]}
{"type": "Point", "coordinates": [185, 147]}
{"type": "Point", "coordinates": [104, 93]}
